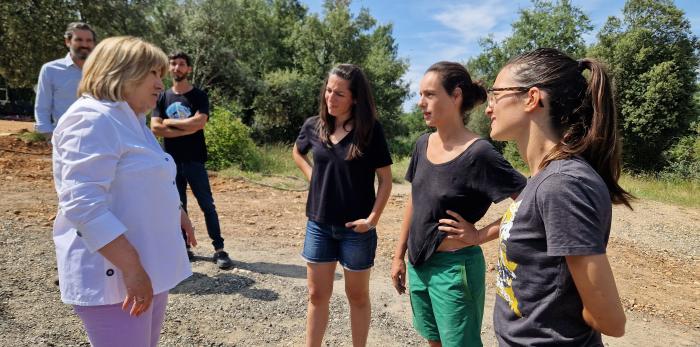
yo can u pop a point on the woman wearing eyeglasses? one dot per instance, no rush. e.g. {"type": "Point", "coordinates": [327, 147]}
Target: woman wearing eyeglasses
{"type": "Point", "coordinates": [455, 177]}
{"type": "Point", "coordinates": [554, 282]}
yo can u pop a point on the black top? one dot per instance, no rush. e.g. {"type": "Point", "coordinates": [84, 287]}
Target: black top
{"type": "Point", "coordinates": [341, 190]}
{"type": "Point", "coordinates": [467, 184]}
{"type": "Point", "coordinates": [180, 106]}
{"type": "Point", "coordinates": [564, 210]}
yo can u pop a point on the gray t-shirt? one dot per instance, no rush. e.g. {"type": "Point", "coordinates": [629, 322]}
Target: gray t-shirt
{"type": "Point", "coordinates": [564, 210]}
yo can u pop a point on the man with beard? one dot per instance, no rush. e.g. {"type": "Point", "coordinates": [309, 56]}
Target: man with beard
{"type": "Point", "coordinates": [58, 80]}
{"type": "Point", "coordinates": [179, 117]}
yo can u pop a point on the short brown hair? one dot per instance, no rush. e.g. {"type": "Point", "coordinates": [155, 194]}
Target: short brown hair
{"type": "Point", "coordinates": [73, 27]}
{"type": "Point", "coordinates": [117, 63]}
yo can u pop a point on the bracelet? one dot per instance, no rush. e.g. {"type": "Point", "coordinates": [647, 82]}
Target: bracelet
{"type": "Point", "coordinates": [371, 226]}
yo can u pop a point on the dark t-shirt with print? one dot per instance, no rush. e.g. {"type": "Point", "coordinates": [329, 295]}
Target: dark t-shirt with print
{"type": "Point", "coordinates": [341, 190]}
{"type": "Point", "coordinates": [564, 210]}
{"type": "Point", "coordinates": [190, 147]}
{"type": "Point", "coordinates": [467, 184]}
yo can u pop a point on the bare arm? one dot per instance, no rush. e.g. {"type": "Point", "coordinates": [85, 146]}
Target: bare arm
{"type": "Point", "coordinates": [383, 193]}
{"type": "Point", "coordinates": [194, 123]}
{"type": "Point", "coordinates": [594, 279]}
{"type": "Point", "coordinates": [139, 290]}
{"type": "Point", "coordinates": [302, 161]}
{"type": "Point", "coordinates": [461, 230]}
{"type": "Point", "coordinates": [186, 225]}
{"type": "Point", "coordinates": [163, 130]}
{"type": "Point", "coordinates": [398, 266]}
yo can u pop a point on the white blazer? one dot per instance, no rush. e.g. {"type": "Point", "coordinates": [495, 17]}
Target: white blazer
{"type": "Point", "coordinates": [113, 178]}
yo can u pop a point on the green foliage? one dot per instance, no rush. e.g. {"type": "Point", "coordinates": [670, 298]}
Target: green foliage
{"type": "Point", "coordinates": [30, 137]}
{"type": "Point", "coordinates": [31, 31]}
{"type": "Point", "coordinates": [288, 98]}
{"type": "Point", "coordinates": [31, 34]}
{"type": "Point", "coordinates": [252, 49]}
{"type": "Point", "coordinates": [684, 157]}
{"type": "Point", "coordinates": [229, 142]}
{"type": "Point", "coordinates": [510, 152]}
{"type": "Point", "coordinates": [653, 57]}
{"type": "Point", "coordinates": [555, 24]}
{"type": "Point", "coordinates": [674, 190]}
{"type": "Point", "coordinates": [413, 126]}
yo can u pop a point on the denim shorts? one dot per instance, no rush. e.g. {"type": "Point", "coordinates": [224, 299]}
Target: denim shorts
{"type": "Point", "coordinates": [326, 243]}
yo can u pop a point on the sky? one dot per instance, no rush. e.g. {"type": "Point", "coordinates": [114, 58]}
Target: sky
{"type": "Point", "coordinates": [430, 31]}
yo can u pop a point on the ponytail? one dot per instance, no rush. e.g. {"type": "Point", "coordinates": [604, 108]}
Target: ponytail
{"type": "Point", "coordinates": [582, 112]}
{"type": "Point", "coordinates": [602, 143]}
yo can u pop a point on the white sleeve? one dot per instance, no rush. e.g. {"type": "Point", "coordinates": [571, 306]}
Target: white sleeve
{"type": "Point", "coordinates": [86, 153]}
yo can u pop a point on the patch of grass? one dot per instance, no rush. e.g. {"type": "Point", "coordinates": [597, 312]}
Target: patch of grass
{"type": "Point", "coordinates": [277, 159]}
{"type": "Point", "coordinates": [675, 191]}
{"type": "Point", "coordinates": [398, 169]}
{"type": "Point", "coordinates": [275, 168]}
{"type": "Point", "coordinates": [30, 137]}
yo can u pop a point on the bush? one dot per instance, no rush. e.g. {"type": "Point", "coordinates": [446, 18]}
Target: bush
{"type": "Point", "coordinates": [287, 100]}
{"type": "Point", "coordinates": [229, 142]}
{"type": "Point", "coordinates": [684, 157]}
{"type": "Point", "coordinates": [510, 152]}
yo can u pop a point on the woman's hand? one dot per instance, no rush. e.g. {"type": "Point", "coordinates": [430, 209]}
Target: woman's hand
{"type": "Point", "coordinates": [398, 275]}
{"type": "Point", "coordinates": [459, 229]}
{"type": "Point", "coordinates": [139, 290]}
{"type": "Point", "coordinates": [186, 225]}
{"type": "Point", "coordinates": [360, 226]}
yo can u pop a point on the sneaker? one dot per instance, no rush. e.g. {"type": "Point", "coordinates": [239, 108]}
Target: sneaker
{"type": "Point", "coordinates": [222, 260]}
{"type": "Point", "coordinates": [190, 255]}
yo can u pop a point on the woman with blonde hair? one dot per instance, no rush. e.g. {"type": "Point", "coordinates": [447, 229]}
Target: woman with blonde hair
{"type": "Point", "coordinates": [117, 234]}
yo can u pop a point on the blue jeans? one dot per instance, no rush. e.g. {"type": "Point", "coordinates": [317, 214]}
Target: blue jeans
{"type": "Point", "coordinates": [326, 243]}
{"type": "Point", "coordinates": [195, 174]}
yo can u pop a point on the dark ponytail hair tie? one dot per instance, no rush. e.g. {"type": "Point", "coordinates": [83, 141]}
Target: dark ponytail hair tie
{"type": "Point", "coordinates": [581, 65]}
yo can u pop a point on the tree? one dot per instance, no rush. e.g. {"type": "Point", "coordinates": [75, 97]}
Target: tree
{"type": "Point", "coordinates": [554, 24]}
{"type": "Point", "coordinates": [31, 34]}
{"type": "Point", "coordinates": [653, 57]}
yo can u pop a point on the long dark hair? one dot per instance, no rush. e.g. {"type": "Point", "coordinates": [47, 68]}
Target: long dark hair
{"type": "Point", "coordinates": [363, 113]}
{"type": "Point", "coordinates": [582, 112]}
{"type": "Point", "coordinates": [455, 75]}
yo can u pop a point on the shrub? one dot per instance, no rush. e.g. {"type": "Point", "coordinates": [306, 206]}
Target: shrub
{"type": "Point", "coordinates": [510, 152]}
{"type": "Point", "coordinates": [229, 142]}
{"type": "Point", "coordinates": [287, 100]}
{"type": "Point", "coordinates": [684, 157]}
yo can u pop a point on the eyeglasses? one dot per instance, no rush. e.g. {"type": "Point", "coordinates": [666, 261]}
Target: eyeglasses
{"type": "Point", "coordinates": [491, 98]}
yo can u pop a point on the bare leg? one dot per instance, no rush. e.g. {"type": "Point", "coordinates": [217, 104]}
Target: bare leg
{"type": "Point", "coordinates": [357, 291]}
{"type": "Point", "coordinates": [320, 283]}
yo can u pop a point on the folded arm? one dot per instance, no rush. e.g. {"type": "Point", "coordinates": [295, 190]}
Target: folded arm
{"type": "Point", "coordinates": [160, 128]}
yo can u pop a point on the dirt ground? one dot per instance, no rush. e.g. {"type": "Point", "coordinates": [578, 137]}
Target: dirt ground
{"type": "Point", "coordinates": [654, 251]}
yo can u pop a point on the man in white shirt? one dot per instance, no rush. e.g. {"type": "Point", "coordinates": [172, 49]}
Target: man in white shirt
{"type": "Point", "coordinates": [58, 80]}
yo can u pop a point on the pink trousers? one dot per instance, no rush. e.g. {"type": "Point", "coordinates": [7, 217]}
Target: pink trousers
{"type": "Point", "coordinates": [110, 326]}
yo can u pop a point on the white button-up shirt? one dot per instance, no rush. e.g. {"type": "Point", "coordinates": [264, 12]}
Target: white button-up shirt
{"type": "Point", "coordinates": [112, 179]}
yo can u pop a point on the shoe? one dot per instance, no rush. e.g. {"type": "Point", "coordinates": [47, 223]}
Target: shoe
{"type": "Point", "coordinates": [190, 255]}
{"type": "Point", "coordinates": [222, 260]}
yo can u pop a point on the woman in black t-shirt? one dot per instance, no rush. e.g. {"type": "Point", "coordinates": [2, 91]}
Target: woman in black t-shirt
{"type": "Point", "coordinates": [455, 177]}
{"type": "Point", "coordinates": [349, 149]}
